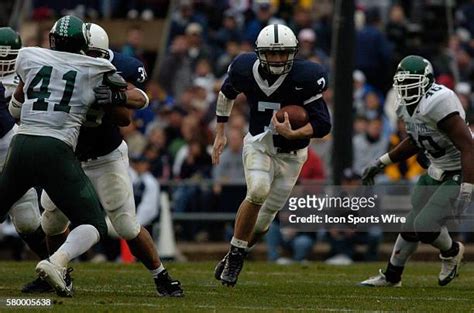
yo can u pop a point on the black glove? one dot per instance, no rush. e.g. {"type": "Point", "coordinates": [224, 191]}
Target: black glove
{"type": "Point", "coordinates": [107, 96]}
{"type": "Point", "coordinates": [370, 172]}
{"type": "Point", "coordinates": [463, 201]}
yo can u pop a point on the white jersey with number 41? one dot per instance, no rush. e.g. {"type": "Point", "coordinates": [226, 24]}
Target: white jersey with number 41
{"type": "Point", "coordinates": [58, 91]}
{"type": "Point", "coordinates": [436, 105]}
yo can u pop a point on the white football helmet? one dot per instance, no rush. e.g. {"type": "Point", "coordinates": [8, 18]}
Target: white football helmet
{"type": "Point", "coordinates": [98, 41]}
{"type": "Point", "coordinates": [276, 37]}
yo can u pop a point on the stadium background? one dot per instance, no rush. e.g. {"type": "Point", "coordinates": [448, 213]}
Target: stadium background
{"type": "Point", "coordinates": [186, 47]}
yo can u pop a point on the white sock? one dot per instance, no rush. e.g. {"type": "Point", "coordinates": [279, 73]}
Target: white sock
{"type": "Point", "coordinates": [239, 243]}
{"type": "Point", "coordinates": [402, 250]}
{"type": "Point", "coordinates": [157, 271]}
{"type": "Point", "coordinates": [444, 241]}
{"type": "Point", "coordinates": [81, 239]}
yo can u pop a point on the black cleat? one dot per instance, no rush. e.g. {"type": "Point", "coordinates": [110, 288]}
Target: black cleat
{"type": "Point", "coordinates": [220, 267]}
{"type": "Point", "coordinates": [233, 265]}
{"type": "Point", "coordinates": [37, 286]}
{"type": "Point", "coordinates": [167, 287]}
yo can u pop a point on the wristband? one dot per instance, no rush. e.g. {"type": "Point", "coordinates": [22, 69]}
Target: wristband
{"type": "Point", "coordinates": [385, 159]}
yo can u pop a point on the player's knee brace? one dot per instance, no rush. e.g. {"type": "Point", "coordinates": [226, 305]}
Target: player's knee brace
{"type": "Point", "coordinates": [125, 224]}
{"type": "Point", "coordinates": [113, 191]}
{"type": "Point", "coordinates": [258, 189]}
{"type": "Point", "coordinates": [25, 213]}
{"type": "Point", "coordinates": [47, 203]}
{"type": "Point", "coordinates": [54, 222]}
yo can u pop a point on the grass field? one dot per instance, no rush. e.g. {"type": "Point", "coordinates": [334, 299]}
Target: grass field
{"type": "Point", "coordinates": [262, 287]}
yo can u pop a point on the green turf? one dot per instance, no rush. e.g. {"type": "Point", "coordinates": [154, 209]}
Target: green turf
{"type": "Point", "coordinates": [262, 287]}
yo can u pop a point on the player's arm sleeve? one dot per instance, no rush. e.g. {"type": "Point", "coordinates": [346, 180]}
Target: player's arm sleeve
{"type": "Point", "coordinates": [140, 76]}
{"type": "Point", "coordinates": [19, 65]}
{"type": "Point", "coordinates": [226, 97]}
{"type": "Point", "coordinates": [319, 117]}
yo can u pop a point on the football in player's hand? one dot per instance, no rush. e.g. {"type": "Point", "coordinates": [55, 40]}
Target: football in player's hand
{"type": "Point", "coordinates": [297, 115]}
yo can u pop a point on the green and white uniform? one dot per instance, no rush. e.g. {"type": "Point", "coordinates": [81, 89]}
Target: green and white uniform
{"type": "Point", "coordinates": [59, 108]}
{"type": "Point", "coordinates": [437, 104]}
{"type": "Point", "coordinates": [58, 90]}
{"type": "Point", "coordinates": [434, 190]}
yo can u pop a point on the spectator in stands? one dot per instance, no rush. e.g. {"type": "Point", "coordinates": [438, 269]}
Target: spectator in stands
{"type": "Point", "coordinates": [146, 191]}
{"type": "Point", "coordinates": [204, 78]}
{"type": "Point", "coordinates": [230, 168]}
{"type": "Point", "coordinates": [308, 48]}
{"type": "Point", "coordinates": [374, 52]}
{"type": "Point", "coordinates": [133, 46]}
{"type": "Point", "coordinates": [157, 154]}
{"type": "Point", "coordinates": [298, 244]}
{"type": "Point", "coordinates": [360, 90]}
{"type": "Point", "coordinates": [301, 19]}
{"type": "Point", "coordinates": [176, 71]}
{"type": "Point", "coordinates": [136, 141]}
{"type": "Point", "coordinates": [313, 168]}
{"type": "Point", "coordinates": [369, 145]}
{"type": "Point", "coordinates": [408, 170]}
{"type": "Point", "coordinates": [397, 31]}
{"type": "Point", "coordinates": [197, 48]}
{"type": "Point", "coordinates": [465, 64]}
{"type": "Point", "coordinates": [231, 30]}
{"type": "Point", "coordinates": [179, 148]}
{"type": "Point", "coordinates": [463, 91]}
{"type": "Point", "coordinates": [232, 49]}
{"type": "Point", "coordinates": [229, 179]}
{"type": "Point", "coordinates": [343, 238]}
{"type": "Point", "coordinates": [196, 167]}
{"type": "Point", "coordinates": [263, 13]}
{"type": "Point", "coordinates": [465, 16]}
{"type": "Point", "coordinates": [184, 16]}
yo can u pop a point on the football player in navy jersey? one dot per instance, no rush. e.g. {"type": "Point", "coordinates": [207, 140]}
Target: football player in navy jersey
{"type": "Point", "coordinates": [104, 157]}
{"type": "Point", "coordinates": [273, 153]}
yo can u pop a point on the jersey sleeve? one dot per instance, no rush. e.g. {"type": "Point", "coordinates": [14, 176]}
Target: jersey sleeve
{"type": "Point", "coordinates": [444, 106]}
{"type": "Point", "coordinates": [236, 73]}
{"type": "Point", "coordinates": [139, 75]}
{"type": "Point", "coordinates": [19, 65]}
{"type": "Point", "coordinates": [319, 117]}
{"type": "Point", "coordinates": [315, 82]}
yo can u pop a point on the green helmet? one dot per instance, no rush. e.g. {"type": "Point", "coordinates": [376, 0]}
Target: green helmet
{"type": "Point", "coordinates": [10, 44]}
{"type": "Point", "coordinates": [69, 34]}
{"type": "Point", "coordinates": [413, 77]}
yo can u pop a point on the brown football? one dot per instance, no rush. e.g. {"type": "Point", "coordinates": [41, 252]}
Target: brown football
{"type": "Point", "coordinates": [297, 115]}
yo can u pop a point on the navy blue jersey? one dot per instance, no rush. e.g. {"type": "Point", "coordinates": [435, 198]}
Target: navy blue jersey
{"type": "Point", "coordinates": [6, 120]}
{"type": "Point", "coordinates": [303, 86]}
{"type": "Point", "coordinates": [101, 140]}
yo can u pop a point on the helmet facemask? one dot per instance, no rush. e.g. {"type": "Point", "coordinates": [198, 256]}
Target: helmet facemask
{"type": "Point", "coordinates": [7, 60]}
{"type": "Point", "coordinates": [277, 68]}
{"type": "Point", "coordinates": [410, 88]}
